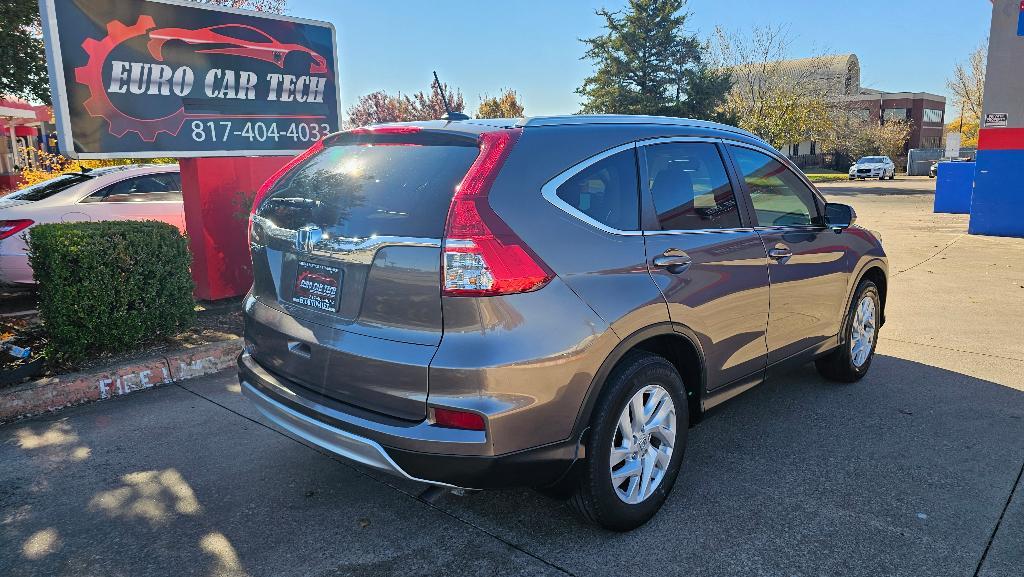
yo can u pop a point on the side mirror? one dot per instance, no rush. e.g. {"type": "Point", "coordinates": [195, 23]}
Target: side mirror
{"type": "Point", "coordinates": [839, 217]}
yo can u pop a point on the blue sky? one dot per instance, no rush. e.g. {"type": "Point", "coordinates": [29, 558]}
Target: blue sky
{"type": "Point", "coordinates": [531, 45]}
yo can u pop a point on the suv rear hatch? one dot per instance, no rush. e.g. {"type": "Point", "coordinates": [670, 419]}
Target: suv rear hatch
{"type": "Point", "coordinates": [347, 247]}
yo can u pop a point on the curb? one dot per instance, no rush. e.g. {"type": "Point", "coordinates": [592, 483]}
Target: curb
{"type": "Point", "coordinates": [53, 393]}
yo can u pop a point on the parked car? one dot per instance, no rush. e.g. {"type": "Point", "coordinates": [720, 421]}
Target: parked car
{"type": "Point", "coordinates": [549, 302]}
{"type": "Point", "coordinates": [129, 192]}
{"type": "Point", "coordinates": [934, 168]}
{"type": "Point", "coordinates": [880, 167]}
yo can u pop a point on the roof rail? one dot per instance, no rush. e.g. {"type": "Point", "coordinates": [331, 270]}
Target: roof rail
{"type": "Point", "coordinates": [629, 119]}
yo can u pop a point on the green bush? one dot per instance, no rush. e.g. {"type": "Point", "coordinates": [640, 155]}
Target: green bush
{"type": "Point", "coordinates": [107, 287]}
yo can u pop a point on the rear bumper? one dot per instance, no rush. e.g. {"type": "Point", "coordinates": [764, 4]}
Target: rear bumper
{"type": "Point", "coordinates": [393, 447]}
{"type": "Point", "coordinates": [14, 269]}
{"type": "Point", "coordinates": [352, 447]}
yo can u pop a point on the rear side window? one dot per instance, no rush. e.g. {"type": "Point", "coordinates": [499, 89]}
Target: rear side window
{"type": "Point", "coordinates": [690, 187]}
{"type": "Point", "coordinates": [362, 190]}
{"type": "Point", "coordinates": [606, 191]}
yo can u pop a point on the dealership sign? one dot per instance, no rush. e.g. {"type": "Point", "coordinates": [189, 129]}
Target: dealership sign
{"type": "Point", "coordinates": [150, 78]}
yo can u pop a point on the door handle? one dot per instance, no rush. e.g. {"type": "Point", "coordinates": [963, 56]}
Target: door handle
{"type": "Point", "coordinates": [673, 260]}
{"type": "Point", "coordinates": [780, 253]}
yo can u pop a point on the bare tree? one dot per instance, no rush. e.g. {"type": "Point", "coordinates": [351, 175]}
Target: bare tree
{"type": "Point", "coordinates": [784, 101]}
{"type": "Point", "coordinates": [968, 82]}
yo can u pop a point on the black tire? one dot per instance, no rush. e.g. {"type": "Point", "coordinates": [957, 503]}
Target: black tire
{"type": "Point", "coordinates": [838, 365]}
{"type": "Point", "coordinates": [595, 499]}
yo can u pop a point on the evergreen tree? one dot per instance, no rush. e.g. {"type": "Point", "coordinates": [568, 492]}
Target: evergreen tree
{"type": "Point", "coordinates": [646, 63]}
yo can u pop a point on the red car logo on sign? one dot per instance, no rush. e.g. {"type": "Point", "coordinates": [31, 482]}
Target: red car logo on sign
{"type": "Point", "coordinates": [260, 46]}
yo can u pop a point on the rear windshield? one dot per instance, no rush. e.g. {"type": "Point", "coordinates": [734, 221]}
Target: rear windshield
{"type": "Point", "coordinates": [48, 188]}
{"type": "Point", "coordinates": [362, 190]}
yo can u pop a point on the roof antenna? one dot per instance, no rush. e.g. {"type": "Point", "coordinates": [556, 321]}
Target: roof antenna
{"type": "Point", "coordinates": [449, 115]}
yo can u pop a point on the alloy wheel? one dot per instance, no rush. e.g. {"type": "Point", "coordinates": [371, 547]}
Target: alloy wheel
{"type": "Point", "coordinates": [862, 334]}
{"type": "Point", "coordinates": [642, 444]}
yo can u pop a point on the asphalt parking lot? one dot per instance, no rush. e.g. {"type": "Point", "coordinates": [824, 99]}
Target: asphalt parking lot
{"type": "Point", "coordinates": [914, 471]}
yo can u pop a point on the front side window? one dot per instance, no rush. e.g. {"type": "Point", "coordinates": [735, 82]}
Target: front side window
{"type": "Point", "coordinates": [606, 191]}
{"type": "Point", "coordinates": [779, 196]}
{"type": "Point", "coordinates": [690, 188]}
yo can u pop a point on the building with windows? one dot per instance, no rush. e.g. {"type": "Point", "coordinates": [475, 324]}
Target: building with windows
{"type": "Point", "coordinates": [841, 74]}
{"type": "Point", "coordinates": [923, 110]}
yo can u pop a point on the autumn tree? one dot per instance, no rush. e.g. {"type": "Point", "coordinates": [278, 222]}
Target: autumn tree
{"type": "Point", "coordinates": [968, 87]}
{"type": "Point", "coordinates": [967, 127]}
{"type": "Point", "coordinates": [506, 105]}
{"type": "Point", "coordinates": [968, 82]}
{"type": "Point", "coordinates": [892, 136]}
{"type": "Point", "coordinates": [423, 106]}
{"type": "Point", "coordinates": [847, 136]}
{"type": "Point", "coordinates": [781, 100]}
{"type": "Point", "coordinates": [646, 63]}
{"type": "Point", "coordinates": [379, 107]}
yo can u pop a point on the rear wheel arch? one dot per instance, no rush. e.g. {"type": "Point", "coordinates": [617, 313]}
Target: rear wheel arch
{"type": "Point", "coordinates": [676, 343]}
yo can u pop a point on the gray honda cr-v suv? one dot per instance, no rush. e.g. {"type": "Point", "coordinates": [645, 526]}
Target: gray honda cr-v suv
{"type": "Point", "coordinates": [548, 302]}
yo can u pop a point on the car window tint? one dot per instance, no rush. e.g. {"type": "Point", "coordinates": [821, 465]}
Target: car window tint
{"type": "Point", "coordinates": [48, 188]}
{"type": "Point", "coordinates": [690, 187]}
{"type": "Point", "coordinates": [778, 195]}
{"type": "Point", "coordinates": [142, 188]}
{"type": "Point", "coordinates": [363, 190]}
{"type": "Point", "coordinates": [606, 191]}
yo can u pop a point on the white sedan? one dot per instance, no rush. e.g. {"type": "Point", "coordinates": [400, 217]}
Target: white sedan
{"type": "Point", "coordinates": [130, 192]}
{"type": "Point", "coordinates": [880, 167]}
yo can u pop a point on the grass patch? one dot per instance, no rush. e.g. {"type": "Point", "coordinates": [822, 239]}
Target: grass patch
{"type": "Point", "coordinates": [827, 177]}
{"type": "Point", "coordinates": [822, 174]}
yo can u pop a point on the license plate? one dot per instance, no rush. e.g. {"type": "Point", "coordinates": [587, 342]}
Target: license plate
{"type": "Point", "coordinates": [317, 286]}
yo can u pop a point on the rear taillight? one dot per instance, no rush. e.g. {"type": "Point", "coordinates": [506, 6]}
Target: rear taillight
{"type": "Point", "coordinates": [454, 419]}
{"type": "Point", "coordinates": [12, 227]}
{"type": "Point", "coordinates": [261, 194]}
{"type": "Point", "coordinates": [482, 256]}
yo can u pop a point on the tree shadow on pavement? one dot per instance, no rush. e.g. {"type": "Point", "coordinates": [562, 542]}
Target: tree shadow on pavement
{"type": "Point", "coordinates": [903, 473]}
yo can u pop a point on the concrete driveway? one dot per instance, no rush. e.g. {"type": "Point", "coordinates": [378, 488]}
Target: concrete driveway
{"type": "Point", "coordinates": [913, 471]}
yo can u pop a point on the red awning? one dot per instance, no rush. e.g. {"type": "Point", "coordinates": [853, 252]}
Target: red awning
{"type": "Point", "coordinates": [22, 112]}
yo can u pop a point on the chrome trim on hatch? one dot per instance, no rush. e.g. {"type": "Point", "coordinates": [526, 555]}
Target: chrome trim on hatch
{"type": "Point", "coordinates": [354, 250]}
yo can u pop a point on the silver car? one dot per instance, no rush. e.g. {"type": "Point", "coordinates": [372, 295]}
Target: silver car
{"type": "Point", "coordinates": [550, 302]}
{"type": "Point", "coordinates": [127, 192]}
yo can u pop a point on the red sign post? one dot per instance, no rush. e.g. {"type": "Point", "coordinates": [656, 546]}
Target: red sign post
{"type": "Point", "coordinates": [216, 218]}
